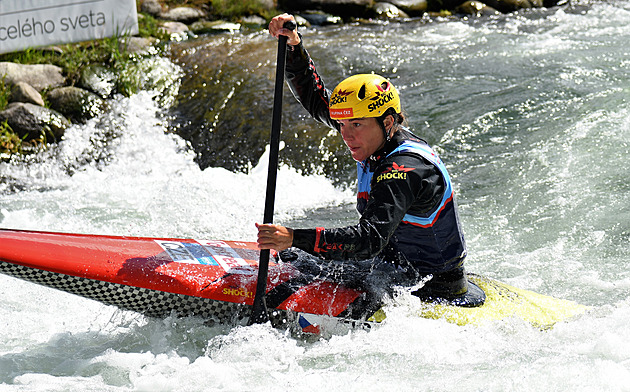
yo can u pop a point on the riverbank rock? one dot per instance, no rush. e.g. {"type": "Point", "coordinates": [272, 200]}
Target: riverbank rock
{"type": "Point", "coordinates": [40, 76]}
{"type": "Point", "coordinates": [183, 14]}
{"type": "Point", "coordinates": [136, 45]}
{"type": "Point", "coordinates": [29, 121]}
{"type": "Point", "coordinates": [343, 8]}
{"type": "Point", "coordinates": [254, 21]}
{"type": "Point", "coordinates": [174, 29]}
{"type": "Point", "coordinates": [215, 26]}
{"type": "Point", "coordinates": [411, 7]}
{"type": "Point", "coordinates": [388, 10]}
{"type": "Point", "coordinates": [349, 9]}
{"type": "Point", "coordinates": [507, 6]}
{"type": "Point", "coordinates": [319, 18]}
{"type": "Point", "coordinates": [475, 8]}
{"type": "Point", "coordinates": [267, 4]}
{"type": "Point", "coordinates": [151, 7]}
{"type": "Point", "coordinates": [76, 104]}
{"type": "Point", "coordinates": [24, 92]}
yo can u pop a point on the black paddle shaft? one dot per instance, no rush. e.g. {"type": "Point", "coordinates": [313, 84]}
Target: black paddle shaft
{"type": "Point", "coordinates": [259, 309]}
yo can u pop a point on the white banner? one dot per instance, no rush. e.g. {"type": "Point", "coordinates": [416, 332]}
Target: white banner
{"type": "Point", "coordinates": [31, 23]}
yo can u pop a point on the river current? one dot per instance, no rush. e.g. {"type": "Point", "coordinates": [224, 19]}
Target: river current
{"type": "Point", "coordinates": [530, 112]}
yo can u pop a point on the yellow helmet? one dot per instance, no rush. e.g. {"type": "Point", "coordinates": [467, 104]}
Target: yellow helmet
{"type": "Point", "coordinates": [363, 95]}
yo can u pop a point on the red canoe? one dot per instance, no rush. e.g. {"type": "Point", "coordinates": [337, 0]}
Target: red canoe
{"type": "Point", "coordinates": [163, 276]}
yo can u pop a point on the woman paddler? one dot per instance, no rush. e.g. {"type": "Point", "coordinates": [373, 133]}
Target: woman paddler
{"type": "Point", "coordinates": [408, 230]}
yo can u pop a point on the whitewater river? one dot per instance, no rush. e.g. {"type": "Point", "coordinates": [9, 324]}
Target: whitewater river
{"type": "Point", "coordinates": [531, 113]}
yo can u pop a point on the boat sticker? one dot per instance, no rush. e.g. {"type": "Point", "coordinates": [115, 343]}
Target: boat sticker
{"type": "Point", "coordinates": [309, 323]}
{"type": "Point", "coordinates": [238, 292]}
{"type": "Point", "coordinates": [227, 257]}
{"type": "Point", "coordinates": [186, 252]}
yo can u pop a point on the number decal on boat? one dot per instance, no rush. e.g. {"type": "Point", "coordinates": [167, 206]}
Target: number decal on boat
{"type": "Point", "coordinates": [217, 253]}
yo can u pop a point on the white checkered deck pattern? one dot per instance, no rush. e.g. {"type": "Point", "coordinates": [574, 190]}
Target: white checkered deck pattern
{"type": "Point", "coordinates": [152, 303]}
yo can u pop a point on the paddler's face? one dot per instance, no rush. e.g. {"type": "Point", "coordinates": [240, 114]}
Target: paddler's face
{"type": "Point", "coordinates": [363, 136]}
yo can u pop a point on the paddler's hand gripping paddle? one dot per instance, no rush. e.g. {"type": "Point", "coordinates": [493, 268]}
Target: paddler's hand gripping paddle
{"type": "Point", "coordinates": [259, 309]}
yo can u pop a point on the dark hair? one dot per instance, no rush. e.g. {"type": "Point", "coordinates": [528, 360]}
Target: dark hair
{"type": "Point", "coordinates": [399, 118]}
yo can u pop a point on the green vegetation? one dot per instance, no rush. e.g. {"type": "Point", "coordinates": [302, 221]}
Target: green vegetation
{"type": "Point", "coordinates": [232, 9]}
{"type": "Point", "coordinates": [10, 143]}
{"type": "Point", "coordinates": [73, 59]}
{"type": "Point", "coordinates": [148, 26]}
{"type": "Point", "coordinates": [4, 93]}
{"type": "Point", "coordinates": [111, 53]}
{"type": "Point", "coordinates": [226, 9]}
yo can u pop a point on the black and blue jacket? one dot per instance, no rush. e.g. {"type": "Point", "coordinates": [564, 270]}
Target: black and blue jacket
{"type": "Point", "coordinates": [405, 197]}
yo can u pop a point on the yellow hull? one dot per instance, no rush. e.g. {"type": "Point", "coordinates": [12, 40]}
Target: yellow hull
{"type": "Point", "coordinates": [504, 301]}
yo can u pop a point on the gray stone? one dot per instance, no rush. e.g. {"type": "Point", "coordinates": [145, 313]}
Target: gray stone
{"type": "Point", "coordinates": [254, 20]}
{"type": "Point", "coordinates": [151, 7]}
{"type": "Point", "coordinates": [411, 6]}
{"type": "Point", "coordinates": [507, 6]}
{"type": "Point", "coordinates": [301, 21]}
{"type": "Point", "coordinates": [137, 45]}
{"type": "Point", "coordinates": [40, 76]}
{"type": "Point", "coordinates": [215, 26]}
{"type": "Point", "coordinates": [326, 3]}
{"type": "Point", "coordinates": [344, 8]}
{"type": "Point", "coordinates": [75, 103]}
{"type": "Point", "coordinates": [183, 14]}
{"type": "Point", "coordinates": [320, 18]}
{"type": "Point", "coordinates": [31, 121]}
{"type": "Point", "coordinates": [388, 10]}
{"type": "Point", "coordinates": [24, 92]}
{"type": "Point", "coordinates": [267, 4]}
{"type": "Point", "coordinates": [174, 28]}
{"type": "Point", "coordinates": [475, 8]}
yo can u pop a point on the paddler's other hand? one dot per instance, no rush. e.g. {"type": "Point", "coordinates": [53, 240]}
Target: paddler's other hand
{"type": "Point", "coordinates": [276, 29]}
{"type": "Point", "coordinates": [274, 237]}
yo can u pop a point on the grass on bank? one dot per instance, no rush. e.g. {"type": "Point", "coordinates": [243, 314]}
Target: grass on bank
{"type": "Point", "coordinates": [4, 93]}
{"type": "Point", "coordinates": [10, 143]}
{"type": "Point", "coordinates": [226, 9]}
{"type": "Point", "coordinates": [73, 59]}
